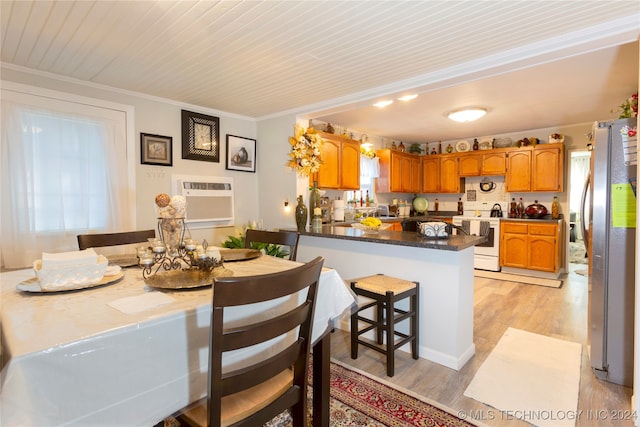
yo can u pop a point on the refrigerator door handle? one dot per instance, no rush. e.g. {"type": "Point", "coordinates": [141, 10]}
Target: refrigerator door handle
{"type": "Point", "coordinates": [583, 225]}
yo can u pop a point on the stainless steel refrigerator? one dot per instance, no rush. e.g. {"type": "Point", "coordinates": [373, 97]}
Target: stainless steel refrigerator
{"type": "Point", "coordinates": [611, 246]}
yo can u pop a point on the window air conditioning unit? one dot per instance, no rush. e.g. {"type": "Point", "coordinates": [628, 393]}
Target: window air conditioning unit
{"type": "Point", "coordinates": [209, 199]}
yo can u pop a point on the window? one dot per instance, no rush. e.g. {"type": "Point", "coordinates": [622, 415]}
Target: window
{"type": "Point", "coordinates": [64, 172]}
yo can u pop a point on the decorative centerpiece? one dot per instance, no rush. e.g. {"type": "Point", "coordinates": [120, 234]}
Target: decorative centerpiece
{"type": "Point", "coordinates": [173, 260]}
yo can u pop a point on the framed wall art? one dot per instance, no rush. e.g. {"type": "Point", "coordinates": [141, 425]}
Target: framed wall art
{"type": "Point", "coordinates": [241, 154]}
{"type": "Point", "coordinates": [200, 137]}
{"type": "Point", "coordinates": [156, 149]}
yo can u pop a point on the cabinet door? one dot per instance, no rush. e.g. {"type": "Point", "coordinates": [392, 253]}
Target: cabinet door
{"type": "Point", "coordinates": [514, 250]}
{"type": "Point", "coordinates": [430, 174]}
{"type": "Point", "coordinates": [407, 178]}
{"type": "Point", "coordinates": [329, 176]}
{"type": "Point", "coordinates": [396, 173]}
{"type": "Point", "coordinates": [543, 253]}
{"type": "Point", "coordinates": [547, 168]}
{"type": "Point", "coordinates": [416, 175]}
{"type": "Point", "coordinates": [494, 164]}
{"type": "Point", "coordinates": [470, 164]}
{"type": "Point", "coordinates": [518, 177]}
{"type": "Point", "coordinates": [449, 176]}
{"type": "Point", "coordinates": [350, 166]}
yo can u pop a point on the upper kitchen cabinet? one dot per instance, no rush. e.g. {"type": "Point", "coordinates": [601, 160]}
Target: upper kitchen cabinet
{"type": "Point", "coordinates": [486, 162]}
{"type": "Point", "coordinates": [440, 174]}
{"type": "Point", "coordinates": [399, 172]}
{"type": "Point", "coordinates": [538, 168]}
{"type": "Point", "coordinates": [340, 167]}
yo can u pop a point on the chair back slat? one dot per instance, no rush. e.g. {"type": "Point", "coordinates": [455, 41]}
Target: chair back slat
{"type": "Point", "coordinates": [114, 239]}
{"type": "Point", "coordinates": [283, 238]}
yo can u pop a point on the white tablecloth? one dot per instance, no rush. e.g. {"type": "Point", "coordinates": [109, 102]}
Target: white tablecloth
{"type": "Point", "coordinates": [117, 355]}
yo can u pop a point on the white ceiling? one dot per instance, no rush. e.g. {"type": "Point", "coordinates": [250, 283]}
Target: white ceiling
{"type": "Point", "coordinates": [532, 63]}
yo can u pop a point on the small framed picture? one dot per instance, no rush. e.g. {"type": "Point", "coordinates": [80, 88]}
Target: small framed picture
{"type": "Point", "coordinates": [156, 149]}
{"type": "Point", "coordinates": [200, 137]}
{"type": "Point", "coordinates": [241, 154]}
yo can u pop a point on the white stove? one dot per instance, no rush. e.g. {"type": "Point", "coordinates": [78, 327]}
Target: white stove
{"type": "Point", "coordinates": [487, 254]}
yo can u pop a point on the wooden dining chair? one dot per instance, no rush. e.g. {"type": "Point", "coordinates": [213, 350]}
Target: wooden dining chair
{"type": "Point", "coordinates": [282, 238]}
{"type": "Point", "coordinates": [255, 394]}
{"type": "Point", "coordinates": [114, 239]}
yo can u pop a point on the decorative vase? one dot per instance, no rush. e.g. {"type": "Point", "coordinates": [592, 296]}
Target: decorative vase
{"type": "Point", "coordinates": [301, 215]}
{"type": "Point", "coordinates": [314, 199]}
{"type": "Point", "coordinates": [171, 233]}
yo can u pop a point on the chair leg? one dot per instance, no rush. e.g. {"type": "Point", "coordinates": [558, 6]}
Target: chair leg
{"type": "Point", "coordinates": [415, 324]}
{"type": "Point", "coordinates": [389, 328]}
{"type": "Point", "coordinates": [380, 319]}
{"type": "Point", "coordinates": [354, 335]}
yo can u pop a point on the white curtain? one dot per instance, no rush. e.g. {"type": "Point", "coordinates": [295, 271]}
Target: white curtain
{"type": "Point", "coordinates": [64, 173]}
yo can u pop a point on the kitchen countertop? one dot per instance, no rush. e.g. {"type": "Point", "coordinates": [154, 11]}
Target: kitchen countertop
{"type": "Point", "coordinates": [546, 218]}
{"type": "Point", "coordinates": [400, 238]}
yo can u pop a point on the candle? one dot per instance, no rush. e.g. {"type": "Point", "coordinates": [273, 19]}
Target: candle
{"type": "Point", "coordinates": [213, 253]}
{"type": "Point", "coordinates": [317, 211]}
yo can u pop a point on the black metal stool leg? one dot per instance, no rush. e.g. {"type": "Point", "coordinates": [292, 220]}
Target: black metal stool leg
{"type": "Point", "coordinates": [390, 328]}
{"type": "Point", "coordinates": [415, 322]}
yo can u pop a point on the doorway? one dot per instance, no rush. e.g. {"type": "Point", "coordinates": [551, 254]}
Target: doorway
{"type": "Point", "coordinates": [579, 171]}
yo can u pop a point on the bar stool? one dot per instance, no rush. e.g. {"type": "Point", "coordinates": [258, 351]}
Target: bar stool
{"type": "Point", "coordinates": [385, 291]}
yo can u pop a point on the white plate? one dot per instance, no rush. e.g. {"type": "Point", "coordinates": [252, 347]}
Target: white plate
{"type": "Point", "coordinates": [462, 146]}
{"type": "Point", "coordinates": [33, 285]}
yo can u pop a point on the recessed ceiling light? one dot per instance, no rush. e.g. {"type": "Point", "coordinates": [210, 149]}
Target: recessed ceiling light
{"type": "Point", "coordinates": [408, 97]}
{"type": "Point", "coordinates": [383, 104]}
{"type": "Point", "coordinates": [467, 114]}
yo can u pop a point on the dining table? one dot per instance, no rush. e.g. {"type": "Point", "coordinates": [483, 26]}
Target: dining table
{"type": "Point", "coordinates": [129, 354]}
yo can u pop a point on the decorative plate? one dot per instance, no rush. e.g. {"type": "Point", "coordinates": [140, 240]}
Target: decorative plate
{"type": "Point", "coordinates": [33, 284]}
{"type": "Point", "coordinates": [462, 146]}
{"type": "Point", "coordinates": [230, 255]}
{"type": "Point", "coordinates": [420, 204]}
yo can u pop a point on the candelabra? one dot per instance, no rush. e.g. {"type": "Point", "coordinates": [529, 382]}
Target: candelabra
{"type": "Point", "coordinates": [173, 252]}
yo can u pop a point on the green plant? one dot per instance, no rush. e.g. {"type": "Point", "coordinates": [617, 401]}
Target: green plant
{"type": "Point", "coordinates": [238, 242]}
{"type": "Point", "coordinates": [415, 148]}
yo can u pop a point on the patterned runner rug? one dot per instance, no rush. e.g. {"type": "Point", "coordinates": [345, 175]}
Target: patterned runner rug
{"type": "Point", "coordinates": [359, 399]}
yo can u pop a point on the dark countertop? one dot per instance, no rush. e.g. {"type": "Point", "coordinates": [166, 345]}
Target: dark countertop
{"type": "Point", "coordinates": [401, 238]}
{"type": "Point", "coordinates": [546, 218]}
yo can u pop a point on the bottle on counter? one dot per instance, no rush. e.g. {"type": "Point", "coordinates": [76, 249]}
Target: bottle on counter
{"type": "Point", "coordinates": [555, 208]}
{"type": "Point", "coordinates": [368, 202]}
{"type": "Point", "coordinates": [316, 220]}
{"type": "Point", "coordinates": [520, 209]}
{"type": "Point", "coordinates": [460, 208]}
{"type": "Point", "coordinates": [435, 206]}
{"type": "Point", "coordinates": [513, 212]}
{"type": "Point", "coordinates": [301, 215]}
{"type": "Point", "coordinates": [314, 199]}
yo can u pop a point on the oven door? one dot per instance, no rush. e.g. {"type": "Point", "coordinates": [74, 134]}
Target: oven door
{"type": "Point", "coordinates": [490, 247]}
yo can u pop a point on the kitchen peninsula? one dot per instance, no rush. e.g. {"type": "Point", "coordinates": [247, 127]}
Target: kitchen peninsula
{"type": "Point", "coordinates": [443, 267]}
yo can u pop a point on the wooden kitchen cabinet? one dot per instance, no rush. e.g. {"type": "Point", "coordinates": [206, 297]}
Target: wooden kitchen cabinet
{"type": "Point", "coordinates": [340, 167]}
{"type": "Point", "coordinates": [440, 174]}
{"type": "Point", "coordinates": [538, 168]}
{"type": "Point", "coordinates": [530, 245]}
{"type": "Point", "coordinates": [486, 162]}
{"type": "Point", "coordinates": [399, 172]}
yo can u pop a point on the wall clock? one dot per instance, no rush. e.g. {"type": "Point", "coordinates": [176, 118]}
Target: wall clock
{"type": "Point", "coordinates": [200, 137]}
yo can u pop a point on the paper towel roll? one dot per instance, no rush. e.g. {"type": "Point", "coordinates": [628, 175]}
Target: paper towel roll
{"type": "Point", "coordinates": [338, 210]}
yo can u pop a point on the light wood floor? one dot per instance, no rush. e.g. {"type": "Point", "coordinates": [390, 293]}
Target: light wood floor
{"type": "Point", "coordinates": [559, 313]}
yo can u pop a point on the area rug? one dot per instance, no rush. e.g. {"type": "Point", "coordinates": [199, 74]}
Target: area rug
{"type": "Point", "coordinates": [359, 399]}
{"type": "Point", "coordinates": [577, 253]}
{"type": "Point", "coordinates": [529, 280]}
{"type": "Point", "coordinates": [531, 377]}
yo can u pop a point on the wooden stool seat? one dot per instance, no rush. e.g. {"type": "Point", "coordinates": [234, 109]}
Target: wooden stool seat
{"type": "Point", "coordinates": [385, 292]}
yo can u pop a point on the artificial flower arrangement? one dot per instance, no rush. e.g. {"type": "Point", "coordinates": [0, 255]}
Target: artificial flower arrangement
{"type": "Point", "coordinates": [629, 132]}
{"type": "Point", "coordinates": [306, 145]}
{"type": "Point", "coordinates": [629, 108]}
{"type": "Point", "coordinates": [368, 152]}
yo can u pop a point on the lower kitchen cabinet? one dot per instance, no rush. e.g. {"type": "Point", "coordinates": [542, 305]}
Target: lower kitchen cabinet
{"type": "Point", "coordinates": [530, 245]}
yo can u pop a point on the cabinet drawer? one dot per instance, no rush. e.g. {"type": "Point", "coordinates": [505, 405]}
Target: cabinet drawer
{"type": "Point", "coordinates": [514, 227]}
{"type": "Point", "coordinates": [543, 229]}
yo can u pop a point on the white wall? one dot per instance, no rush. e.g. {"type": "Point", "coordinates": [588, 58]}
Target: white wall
{"type": "Point", "coordinates": [162, 117]}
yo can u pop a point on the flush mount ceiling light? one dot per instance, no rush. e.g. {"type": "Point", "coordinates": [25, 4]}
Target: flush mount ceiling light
{"type": "Point", "coordinates": [467, 114]}
{"type": "Point", "coordinates": [407, 97]}
{"type": "Point", "coordinates": [383, 104]}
